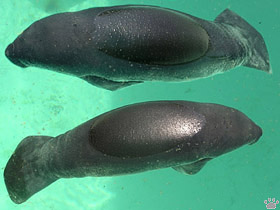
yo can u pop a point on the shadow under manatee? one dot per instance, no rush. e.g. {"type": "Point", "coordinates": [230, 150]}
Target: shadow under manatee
{"type": "Point", "coordinates": [51, 6]}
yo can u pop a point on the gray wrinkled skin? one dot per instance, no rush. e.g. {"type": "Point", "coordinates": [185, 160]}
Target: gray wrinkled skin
{"type": "Point", "coordinates": [114, 47]}
{"type": "Point", "coordinates": [136, 138]}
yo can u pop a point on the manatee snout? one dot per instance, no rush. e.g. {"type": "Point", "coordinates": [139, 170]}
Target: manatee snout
{"type": "Point", "coordinates": [256, 134]}
{"type": "Point", "coordinates": [13, 54]}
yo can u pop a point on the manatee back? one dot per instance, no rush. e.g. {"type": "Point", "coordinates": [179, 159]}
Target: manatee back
{"type": "Point", "coordinates": [145, 129]}
{"type": "Point", "coordinates": [150, 35]}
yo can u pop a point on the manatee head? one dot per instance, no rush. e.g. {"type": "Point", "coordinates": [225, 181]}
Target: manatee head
{"type": "Point", "coordinates": [44, 43]}
{"type": "Point", "coordinates": [226, 129]}
{"type": "Point", "coordinates": [14, 54]}
{"type": "Point", "coordinates": [29, 47]}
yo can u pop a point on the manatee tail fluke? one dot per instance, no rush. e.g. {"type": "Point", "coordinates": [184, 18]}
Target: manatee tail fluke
{"type": "Point", "coordinates": [257, 52]}
{"type": "Point", "coordinates": [26, 172]}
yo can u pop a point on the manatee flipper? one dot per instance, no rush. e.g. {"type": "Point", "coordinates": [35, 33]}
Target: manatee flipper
{"type": "Point", "coordinates": [24, 174]}
{"type": "Point", "coordinates": [258, 56]}
{"type": "Point", "coordinates": [192, 168]}
{"type": "Point", "coordinates": [107, 84]}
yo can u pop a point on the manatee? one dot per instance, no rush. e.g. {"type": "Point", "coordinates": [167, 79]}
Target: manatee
{"type": "Point", "coordinates": [115, 47]}
{"type": "Point", "coordinates": [146, 136]}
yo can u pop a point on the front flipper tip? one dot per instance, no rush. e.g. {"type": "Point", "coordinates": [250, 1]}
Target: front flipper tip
{"type": "Point", "coordinates": [192, 168]}
{"type": "Point", "coordinates": [108, 84]}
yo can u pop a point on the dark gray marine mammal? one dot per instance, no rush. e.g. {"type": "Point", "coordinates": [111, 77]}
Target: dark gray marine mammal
{"type": "Point", "coordinates": [114, 47]}
{"type": "Point", "coordinates": [146, 136]}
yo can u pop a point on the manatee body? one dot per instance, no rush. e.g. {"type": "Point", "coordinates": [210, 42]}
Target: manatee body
{"type": "Point", "coordinates": [136, 138]}
{"type": "Point", "coordinates": [114, 47]}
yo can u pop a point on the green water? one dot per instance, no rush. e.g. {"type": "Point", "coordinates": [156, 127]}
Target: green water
{"type": "Point", "coordinates": [36, 101]}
